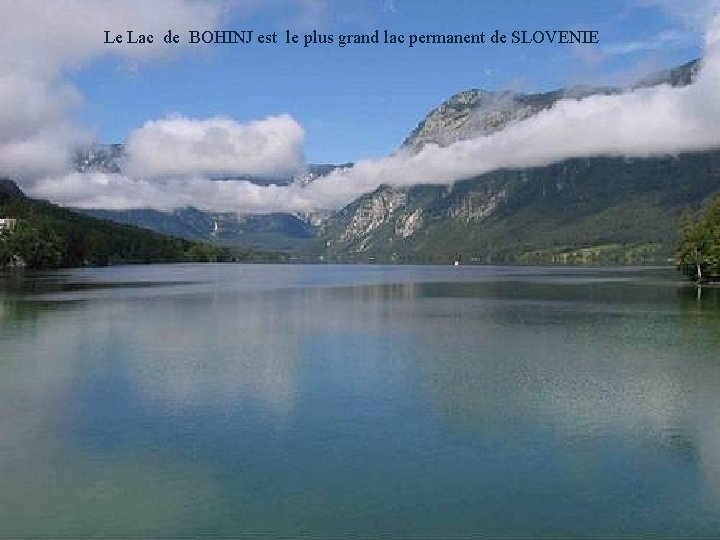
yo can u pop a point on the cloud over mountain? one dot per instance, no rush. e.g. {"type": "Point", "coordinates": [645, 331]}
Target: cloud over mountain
{"type": "Point", "coordinates": [661, 120]}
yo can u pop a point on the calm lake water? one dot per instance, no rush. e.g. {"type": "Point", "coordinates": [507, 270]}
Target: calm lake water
{"type": "Point", "coordinates": [358, 400]}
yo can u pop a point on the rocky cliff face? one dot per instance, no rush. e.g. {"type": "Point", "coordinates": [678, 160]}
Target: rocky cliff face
{"type": "Point", "coordinates": [474, 113]}
{"type": "Point", "coordinates": [372, 213]}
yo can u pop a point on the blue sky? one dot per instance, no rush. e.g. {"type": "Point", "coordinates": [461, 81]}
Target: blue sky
{"type": "Point", "coordinates": [362, 100]}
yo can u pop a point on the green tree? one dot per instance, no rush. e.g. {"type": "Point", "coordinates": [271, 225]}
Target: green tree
{"type": "Point", "coordinates": [39, 248]}
{"type": "Point", "coordinates": [699, 250]}
{"type": "Point", "coordinates": [5, 252]}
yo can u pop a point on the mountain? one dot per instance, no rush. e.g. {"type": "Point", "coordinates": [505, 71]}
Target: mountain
{"type": "Point", "coordinates": [274, 232]}
{"type": "Point", "coordinates": [480, 112]}
{"type": "Point", "coordinates": [104, 158]}
{"type": "Point", "coordinates": [580, 210]}
{"type": "Point", "coordinates": [47, 236]}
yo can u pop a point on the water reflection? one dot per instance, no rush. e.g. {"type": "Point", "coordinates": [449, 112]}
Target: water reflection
{"type": "Point", "coordinates": [348, 400]}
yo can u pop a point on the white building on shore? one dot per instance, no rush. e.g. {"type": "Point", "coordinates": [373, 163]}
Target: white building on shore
{"type": "Point", "coordinates": [7, 224]}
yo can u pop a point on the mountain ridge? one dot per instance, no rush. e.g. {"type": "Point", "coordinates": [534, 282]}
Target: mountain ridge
{"type": "Point", "coordinates": [274, 231]}
{"type": "Point", "coordinates": [600, 209]}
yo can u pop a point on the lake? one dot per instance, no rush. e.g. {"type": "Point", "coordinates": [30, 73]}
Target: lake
{"type": "Point", "coordinates": [336, 401]}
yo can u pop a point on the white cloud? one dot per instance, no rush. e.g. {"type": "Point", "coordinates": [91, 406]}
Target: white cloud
{"type": "Point", "coordinates": [34, 128]}
{"type": "Point", "coordinates": [45, 38]}
{"type": "Point", "coordinates": [216, 146]}
{"type": "Point", "coordinates": [40, 43]}
{"type": "Point", "coordinates": [120, 192]}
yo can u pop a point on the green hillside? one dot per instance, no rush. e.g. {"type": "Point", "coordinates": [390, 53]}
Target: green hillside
{"type": "Point", "coordinates": [599, 210]}
{"type": "Point", "coordinates": [48, 236]}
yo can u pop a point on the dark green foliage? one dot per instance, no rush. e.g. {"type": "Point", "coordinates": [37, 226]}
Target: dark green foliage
{"type": "Point", "coordinates": [6, 252]}
{"type": "Point", "coordinates": [207, 253]}
{"type": "Point", "coordinates": [39, 248]}
{"type": "Point", "coordinates": [48, 236]}
{"type": "Point", "coordinates": [699, 251]}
